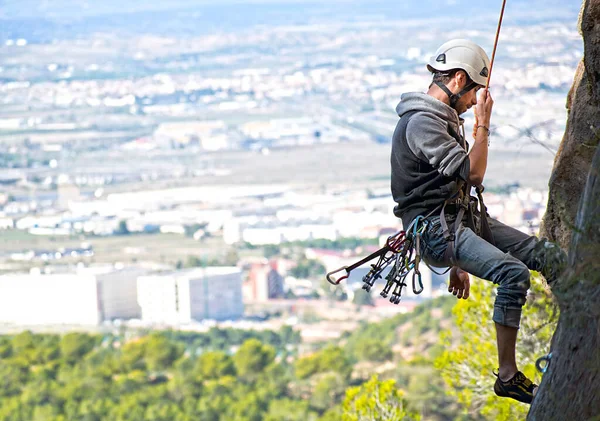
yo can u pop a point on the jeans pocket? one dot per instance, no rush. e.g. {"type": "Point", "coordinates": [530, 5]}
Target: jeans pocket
{"type": "Point", "coordinates": [434, 245]}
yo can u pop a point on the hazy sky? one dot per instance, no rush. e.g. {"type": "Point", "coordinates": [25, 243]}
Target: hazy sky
{"type": "Point", "coordinates": [73, 9]}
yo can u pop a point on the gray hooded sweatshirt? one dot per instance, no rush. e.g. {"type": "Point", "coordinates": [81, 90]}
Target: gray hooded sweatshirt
{"type": "Point", "coordinates": [427, 155]}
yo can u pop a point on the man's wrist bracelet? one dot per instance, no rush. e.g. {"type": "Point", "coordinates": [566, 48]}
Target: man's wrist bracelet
{"type": "Point", "coordinates": [487, 129]}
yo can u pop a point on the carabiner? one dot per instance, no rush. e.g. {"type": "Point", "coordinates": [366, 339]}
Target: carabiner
{"type": "Point", "coordinates": [417, 277]}
{"type": "Point", "coordinates": [334, 281]}
{"type": "Point", "coordinates": [394, 242]}
{"type": "Point", "coordinates": [546, 359]}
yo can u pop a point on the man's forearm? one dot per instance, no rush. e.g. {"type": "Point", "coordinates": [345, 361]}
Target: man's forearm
{"type": "Point", "coordinates": [478, 157]}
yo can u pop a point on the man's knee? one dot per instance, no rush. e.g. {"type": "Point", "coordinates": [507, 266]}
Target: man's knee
{"type": "Point", "coordinates": [523, 284]}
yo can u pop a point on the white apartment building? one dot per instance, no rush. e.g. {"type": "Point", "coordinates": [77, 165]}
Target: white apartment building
{"type": "Point", "coordinates": [191, 295]}
{"type": "Point", "coordinates": [262, 235]}
{"type": "Point", "coordinates": [362, 224]}
{"type": "Point", "coordinates": [86, 297]}
{"type": "Point", "coordinates": [6, 222]}
{"type": "Point", "coordinates": [262, 231]}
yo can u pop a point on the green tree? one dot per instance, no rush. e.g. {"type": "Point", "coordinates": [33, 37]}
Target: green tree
{"type": "Point", "coordinates": [130, 408]}
{"type": "Point", "coordinates": [378, 401]}
{"type": "Point", "coordinates": [333, 358]}
{"type": "Point", "coordinates": [73, 346]}
{"type": "Point", "coordinates": [252, 358]}
{"type": "Point", "coordinates": [273, 383]}
{"type": "Point", "coordinates": [132, 355]}
{"type": "Point", "coordinates": [213, 365]}
{"type": "Point", "coordinates": [148, 378]}
{"type": "Point", "coordinates": [160, 353]}
{"type": "Point", "coordinates": [332, 414]}
{"type": "Point", "coordinates": [217, 398]}
{"type": "Point", "coordinates": [328, 391]}
{"type": "Point", "coordinates": [24, 342]}
{"type": "Point", "coordinates": [373, 350]}
{"type": "Point", "coordinates": [248, 408]}
{"type": "Point", "coordinates": [163, 411]}
{"type": "Point", "coordinates": [289, 336]}
{"type": "Point", "coordinates": [218, 338]}
{"type": "Point", "coordinates": [5, 347]}
{"type": "Point", "coordinates": [131, 382]}
{"type": "Point", "coordinates": [194, 261]}
{"type": "Point", "coordinates": [289, 410]}
{"type": "Point", "coordinates": [37, 392]}
{"type": "Point", "coordinates": [13, 377]}
{"type": "Point", "coordinates": [122, 229]}
{"type": "Point", "coordinates": [308, 268]}
{"type": "Point", "coordinates": [48, 349]}
{"type": "Point", "coordinates": [46, 413]}
{"type": "Point", "coordinates": [306, 366]}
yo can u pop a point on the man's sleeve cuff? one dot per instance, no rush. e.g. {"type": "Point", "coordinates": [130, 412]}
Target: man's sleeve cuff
{"type": "Point", "coordinates": [464, 169]}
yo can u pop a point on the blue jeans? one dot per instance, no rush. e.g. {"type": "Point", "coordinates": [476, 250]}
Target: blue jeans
{"type": "Point", "coordinates": [506, 264]}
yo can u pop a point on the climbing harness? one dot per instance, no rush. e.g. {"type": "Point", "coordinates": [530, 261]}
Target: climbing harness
{"type": "Point", "coordinates": [402, 251]}
{"type": "Point", "coordinates": [465, 206]}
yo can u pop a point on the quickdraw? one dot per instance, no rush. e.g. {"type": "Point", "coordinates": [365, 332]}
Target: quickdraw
{"type": "Point", "coordinates": [385, 254]}
{"type": "Point", "coordinates": [404, 252]}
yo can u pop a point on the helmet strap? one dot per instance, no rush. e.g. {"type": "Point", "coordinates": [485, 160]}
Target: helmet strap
{"type": "Point", "coordinates": [455, 97]}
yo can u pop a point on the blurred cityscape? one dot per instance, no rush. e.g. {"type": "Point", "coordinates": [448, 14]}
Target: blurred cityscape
{"type": "Point", "coordinates": [184, 179]}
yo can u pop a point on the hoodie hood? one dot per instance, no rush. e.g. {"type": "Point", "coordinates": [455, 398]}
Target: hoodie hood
{"type": "Point", "coordinates": [418, 101]}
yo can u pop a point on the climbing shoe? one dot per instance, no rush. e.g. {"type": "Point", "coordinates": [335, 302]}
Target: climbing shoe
{"type": "Point", "coordinates": [519, 388]}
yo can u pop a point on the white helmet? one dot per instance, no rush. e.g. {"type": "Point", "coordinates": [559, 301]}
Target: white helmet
{"type": "Point", "coordinates": [462, 54]}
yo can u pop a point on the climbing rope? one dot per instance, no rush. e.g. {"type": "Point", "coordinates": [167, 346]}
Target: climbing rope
{"type": "Point", "coordinates": [496, 44]}
{"type": "Point", "coordinates": [489, 77]}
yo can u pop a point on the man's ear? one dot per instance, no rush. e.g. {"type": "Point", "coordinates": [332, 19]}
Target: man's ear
{"type": "Point", "coordinates": [461, 78]}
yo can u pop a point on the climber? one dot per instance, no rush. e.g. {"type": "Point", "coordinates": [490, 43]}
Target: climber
{"type": "Point", "coordinates": [432, 174]}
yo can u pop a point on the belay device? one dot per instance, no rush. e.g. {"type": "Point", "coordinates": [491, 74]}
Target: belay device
{"type": "Point", "coordinates": [402, 251]}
